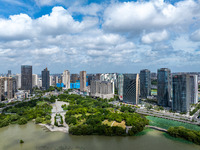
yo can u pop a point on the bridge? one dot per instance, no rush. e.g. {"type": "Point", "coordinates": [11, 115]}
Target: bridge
{"type": "Point", "coordinates": [156, 128]}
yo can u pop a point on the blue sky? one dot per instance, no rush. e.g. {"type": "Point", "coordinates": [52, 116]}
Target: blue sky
{"type": "Point", "coordinates": [100, 36]}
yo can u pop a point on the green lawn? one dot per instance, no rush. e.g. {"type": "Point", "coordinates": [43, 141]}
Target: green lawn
{"type": "Point", "coordinates": [165, 123]}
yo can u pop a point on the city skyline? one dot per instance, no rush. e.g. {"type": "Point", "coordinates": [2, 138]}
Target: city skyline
{"type": "Point", "coordinates": [91, 35]}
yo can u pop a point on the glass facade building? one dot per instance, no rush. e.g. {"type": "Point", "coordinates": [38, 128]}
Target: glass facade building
{"type": "Point", "coordinates": [131, 88]}
{"type": "Point", "coordinates": [45, 79]}
{"type": "Point", "coordinates": [164, 87]}
{"type": "Point", "coordinates": [26, 77]}
{"type": "Point", "coordinates": [145, 83]}
{"type": "Point", "coordinates": [181, 93]}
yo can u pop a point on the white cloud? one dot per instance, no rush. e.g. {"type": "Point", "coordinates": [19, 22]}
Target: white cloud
{"type": "Point", "coordinates": [195, 36]}
{"type": "Point", "coordinates": [136, 16]}
{"type": "Point", "coordinates": [155, 37]}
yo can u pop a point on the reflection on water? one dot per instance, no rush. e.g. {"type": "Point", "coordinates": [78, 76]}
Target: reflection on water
{"type": "Point", "coordinates": [37, 138]}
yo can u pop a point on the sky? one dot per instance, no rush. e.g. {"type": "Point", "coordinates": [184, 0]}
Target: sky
{"type": "Point", "coordinates": [100, 36]}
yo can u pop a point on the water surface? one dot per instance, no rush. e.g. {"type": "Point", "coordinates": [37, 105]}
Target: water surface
{"type": "Point", "coordinates": [37, 138]}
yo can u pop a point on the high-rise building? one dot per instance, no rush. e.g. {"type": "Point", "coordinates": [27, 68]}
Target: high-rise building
{"type": "Point", "coordinates": [66, 79]}
{"type": "Point", "coordinates": [26, 77]}
{"type": "Point", "coordinates": [74, 78]}
{"type": "Point", "coordinates": [6, 88]}
{"type": "Point", "coordinates": [120, 80]}
{"type": "Point", "coordinates": [18, 79]}
{"type": "Point", "coordinates": [83, 81]}
{"type": "Point", "coordinates": [45, 79]}
{"type": "Point", "coordinates": [131, 88]}
{"type": "Point", "coordinates": [145, 83]}
{"type": "Point", "coordinates": [181, 93]}
{"type": "Point", "coordinates": [56, 79]}
{"type": "Point", "coordinates": [164, 87]}
{"type": "Point", "coordinates": [34, 80]}
{"type": "Point", "coordinates": [51, 82]}
{"type": "Point", "coordinates": [9, 73]}
{"type": "Point", "coordinates": [102, 89]}
{"type": "Point", "coordinates": [194, 89]}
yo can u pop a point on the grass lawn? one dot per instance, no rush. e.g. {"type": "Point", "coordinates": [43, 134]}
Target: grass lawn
{"type": "Point", "coordinates": [109, 123]}
{"type": "Point", "coordinates": [165, 123]}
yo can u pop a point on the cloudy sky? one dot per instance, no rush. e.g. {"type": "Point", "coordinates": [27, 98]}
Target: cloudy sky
{"type": "Point", "coordinates": [99, 36]}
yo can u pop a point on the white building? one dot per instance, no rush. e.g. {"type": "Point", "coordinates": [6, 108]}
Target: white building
{"type": "Point", "coordinates": [66, 79]}
{"type": "Point", "coordinates": [18, 79]}
{"type": "Point", "coordinates": [51, 80]}
{"type": "Point", "coordinates": [34, 80]}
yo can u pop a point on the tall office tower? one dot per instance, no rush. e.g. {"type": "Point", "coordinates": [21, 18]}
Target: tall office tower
{"type": "Point", "coordinates": [66, 79]}
{"type": "Point", "coordinates": [14, 86]}
{"type": "Point", "coordinates": [6, 88]}
{"type": "Point", "coordinates": [9, 73]}
{"type": "Point", "coordinates": [102, 89]}
{"type": "Point", "coordinates": [34, 80]}
{"type": "Point", "coordinates": [45, 79]}
{"type": "Point", "coordinates": [74, 78]}
{"type": "Point", "coordinates": [18, 78]}
{"type": "Point", "coordinates": [51, 81]}
{"type": "Point", "coordinates": [194, 89]}
{"type": "Point", "coordinates": [181, 93]}
{"type": "Point", "coordinates": [120, 80]}
{"type": "Point", "coordinates": [131, 88]}
{"type": "Point", "coordinates": [164, 87]}
{"type": "Point", "coordinates": [83, 81]}
{"type": "Point", "coordinates": [145, 83]}
{"type": "Point", "coordinates": [26, 77]}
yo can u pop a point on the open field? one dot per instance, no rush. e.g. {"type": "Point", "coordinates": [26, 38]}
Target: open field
{"type": "Point", "coordinates": [165, 123]}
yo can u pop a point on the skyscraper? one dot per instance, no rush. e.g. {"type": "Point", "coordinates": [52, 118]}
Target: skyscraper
{"type": "Point", "coordinates": [66, 79]}
{"type": "Point", "coordinates": [131, 88]}
{"type": "Point", "coordinates": [181, 93]}
{"type": "Point", "coordinates": [45, 79]}
{"type": "Point", "coordinates": [83, 81]}
{"type": "Point", "coordinates": [120, 80]}
{"type": "Point", "coordinates": [26, 77]}
{"type": "Point", "coordinates": [164, 87]}
{"type": "Point", "coordinates": [145, 83]}
{"type": "Point", "coordinates": [194, 89]}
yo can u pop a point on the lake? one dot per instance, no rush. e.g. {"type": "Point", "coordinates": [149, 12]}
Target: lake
{"type": "Point", "coordinates": [38, 138]}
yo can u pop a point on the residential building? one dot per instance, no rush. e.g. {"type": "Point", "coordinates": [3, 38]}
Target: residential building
{"type": "Point", "coordinates": [83, 87]}
{"type": "Point", "coordinates": [131, 88]}
{"type": "Point", "coordinates": [26, 77]}
{"type": "Point", "coordinates": [6, 88]}
{"type": "Point", "coordinates": [102, 89]}
{"type": "Point", "coordinates": [120, 80]}
{"type": "Point", "coordinates": [194, 88]}
{"type": "Point", "coordinates": [18, 80]}
{"type": "Point", "coordinates": [181, 93]}
{"type": "Point", "coordinates": [34, 80]}
{"type": "Point", "coordinates": [74, 78]}
{"type": "Point", "coordinates": [45, 79]}
{"type": "Point", "coordinates": [145, 83]}
{"type": "Point", "coordinates": [66, 79]}
{"type": "Point", "coordinates": [164, 83]}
